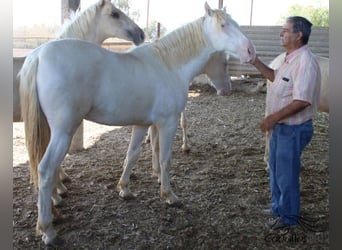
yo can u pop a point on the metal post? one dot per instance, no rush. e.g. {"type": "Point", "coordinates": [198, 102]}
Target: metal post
{"type": "Point", "coordinates": [147, 18]}
{"type": "Point", "coordinates": [251, 16]}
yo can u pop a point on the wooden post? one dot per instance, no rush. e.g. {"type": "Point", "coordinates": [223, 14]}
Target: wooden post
{"type": "Point", "coordinates": [158, 30]}
{"type": "Point", "coordinates": [147, 19]}
{"type": "Point", "coordinates": [74, 5]}
{"type": "Point", "coordinates": [220, 5]}
{"type": "Point", "coordinates": [68, 5]}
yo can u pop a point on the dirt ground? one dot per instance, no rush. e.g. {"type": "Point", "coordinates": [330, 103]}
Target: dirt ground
{"type": "Point", "coordinates": [222, 183]}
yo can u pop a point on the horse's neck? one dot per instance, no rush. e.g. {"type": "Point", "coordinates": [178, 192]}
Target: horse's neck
{"type": "Point", "coordinates": [88, 32]}
{"type": "Point", "coordinates": [195, 66]}
{"type": "Point", "coordinates": [185, 50]}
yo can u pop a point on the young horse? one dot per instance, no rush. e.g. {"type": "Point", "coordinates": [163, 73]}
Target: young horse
{"type": "Point", "coordinates": [73, 79]}
{"type": "Point", "coordinates": [323, 104]}
{"type": "Point", "coordinates": [97, 23]}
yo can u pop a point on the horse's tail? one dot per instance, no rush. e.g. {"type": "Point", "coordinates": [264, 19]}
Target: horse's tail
{"type": "Point", "coordinates": [37, 131]}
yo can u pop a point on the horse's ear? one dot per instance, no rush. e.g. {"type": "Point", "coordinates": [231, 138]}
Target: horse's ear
{"type": "Point", "coordinates": [208, 10]}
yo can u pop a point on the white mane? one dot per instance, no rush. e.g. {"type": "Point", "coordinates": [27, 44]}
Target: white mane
{"type": "Point", "coordinates": [185, 42]}
{"type": "Point", "coordinates": [78, 25]}
{"type": "Point", "coordinates": [181, 44]}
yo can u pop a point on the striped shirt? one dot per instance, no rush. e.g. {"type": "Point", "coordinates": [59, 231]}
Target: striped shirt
{"type": "Point", "coordinates": [297, 78]}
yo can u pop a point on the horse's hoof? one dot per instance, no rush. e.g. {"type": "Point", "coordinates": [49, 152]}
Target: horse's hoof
{"type": "Point", "coordinates": [59, 204]}
{"type": "Point", "coordinates": [156, 175]}
{"type": "Point", "coordinates": [66, 179]}
{"type": "Point", "coordinates": [63, 195]}
{"type": "Point", "coordinates": [170, 198]}
{"type": "Point", "coordinates": [56, 242]}
{"type": "Point", "coordinates": [61, 219]}
{"type": "Point", "coordinates": [127, 195]}
{"type": "Point", "coordinates": [176, 204]}
{"type": "Point", "coordinates": [186, 150]}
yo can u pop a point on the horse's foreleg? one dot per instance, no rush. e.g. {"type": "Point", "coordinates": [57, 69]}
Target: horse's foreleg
{"type": "Point", "coordinates": [47, 171]}
{"type": "Point", "coordinates": [133, 152]}
{"type": "Point", "coordinates": [185, 146]}
{"type": "Point", "coordinates": [166, 137]}
{"type": "Point", "coordinates": [155, 151]}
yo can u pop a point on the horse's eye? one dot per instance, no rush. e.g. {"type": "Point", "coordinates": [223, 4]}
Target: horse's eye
{"type": "Point", "coordinates": [222, 25]}
{"type": "Point", "coordinates": [115, 14]}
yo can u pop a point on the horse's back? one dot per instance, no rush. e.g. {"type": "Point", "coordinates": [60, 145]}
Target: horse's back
{"type": "Point", "coordinates": [82, 80]}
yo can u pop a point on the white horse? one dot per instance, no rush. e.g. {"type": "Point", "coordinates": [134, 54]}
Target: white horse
{"type": "Point", "coordinates": [216, 73]}
{"type": "Point", "coordinates": [97, 23]}
{"type": "Point", "coordinates": [323, 104]}
{"type": "Point", "coordinates": [148, 86]}
{"type": "Point", "coordinates": [100, 21]}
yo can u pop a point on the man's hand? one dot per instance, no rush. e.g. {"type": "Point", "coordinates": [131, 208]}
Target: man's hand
{"type": "Point", "coordinates": [268, 123]}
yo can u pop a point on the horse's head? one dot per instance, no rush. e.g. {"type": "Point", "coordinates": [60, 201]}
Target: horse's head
{"type": "Point", "coordinates": [224, 34]}
{"type": "Point", "coordinates": [218, 72]}
{"type": "Point", "coordinates": [117, 24]}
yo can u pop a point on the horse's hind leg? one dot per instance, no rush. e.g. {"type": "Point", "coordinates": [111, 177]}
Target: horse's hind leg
{"type": "Point", "coordinates": [155, 151]}
{"type": "Point", "coordinates": [133, 152]}
{"type": "Point", "coordinates": [47, 169]}
{"type": "Point", "coordinates": [63, 176]}
{"type": "Point", "coordinates": [166, 137]}
{"type": "Point", "coordinates": [183, 123]}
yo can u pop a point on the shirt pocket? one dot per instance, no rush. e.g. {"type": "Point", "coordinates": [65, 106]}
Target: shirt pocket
{"type": "Point", "coordinates": [285, 87]}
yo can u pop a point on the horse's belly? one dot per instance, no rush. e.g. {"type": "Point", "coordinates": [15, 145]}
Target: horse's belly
{"type": "Point", "coordinates": [119, 118]}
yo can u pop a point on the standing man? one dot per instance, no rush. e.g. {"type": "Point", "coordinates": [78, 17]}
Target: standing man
{"type": "Point", "coordinates": [291, 102]}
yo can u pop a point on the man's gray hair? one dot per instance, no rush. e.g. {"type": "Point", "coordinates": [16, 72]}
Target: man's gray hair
{"type": "Point", "coordinates": [301, 24]}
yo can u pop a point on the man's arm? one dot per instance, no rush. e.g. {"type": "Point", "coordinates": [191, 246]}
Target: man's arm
{"type": "Point", "coordinates": [293, 108]}
{"type": "Point", "coordinates": [264, 69]}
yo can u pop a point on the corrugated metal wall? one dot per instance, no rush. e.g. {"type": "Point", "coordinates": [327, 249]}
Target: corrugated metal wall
{"type": "Point", "coordinates": [266, 41]}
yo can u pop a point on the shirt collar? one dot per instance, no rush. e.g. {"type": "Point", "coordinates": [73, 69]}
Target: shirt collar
{"type": "Point", "coordinates": [293, 54]}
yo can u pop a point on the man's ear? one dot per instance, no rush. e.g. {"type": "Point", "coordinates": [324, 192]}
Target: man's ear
{"type": "Point", "coordinates": [299, 36]}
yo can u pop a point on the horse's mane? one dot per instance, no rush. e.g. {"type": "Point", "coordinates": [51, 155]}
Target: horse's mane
{"type": "Point", "coordinates": [184, 42]}
{"type": "Point", "coordinates": [79, 24]}
{"type": "Point", "coordinates": [181, 44]}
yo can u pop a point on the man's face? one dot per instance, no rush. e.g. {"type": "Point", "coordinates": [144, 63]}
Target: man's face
{"type": "Point", "coordinates": [288, 39]}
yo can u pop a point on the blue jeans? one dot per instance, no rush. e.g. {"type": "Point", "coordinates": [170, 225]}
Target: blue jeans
{"type": "Point", "coordinates": [286, 145]}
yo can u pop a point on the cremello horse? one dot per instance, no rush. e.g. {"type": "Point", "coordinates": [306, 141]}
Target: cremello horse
{"type": "Point", "coordinates": [148, 86]}
{"type": "Point", "coordinates": [323, 104]}
{"type": "Point", "coordinates": [97, 23]}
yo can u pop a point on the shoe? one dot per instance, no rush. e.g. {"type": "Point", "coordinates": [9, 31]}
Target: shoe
{"type": "Point", "coordinates": [277, 223]}
{"type": "Point", "coordinates": [266, 211]}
